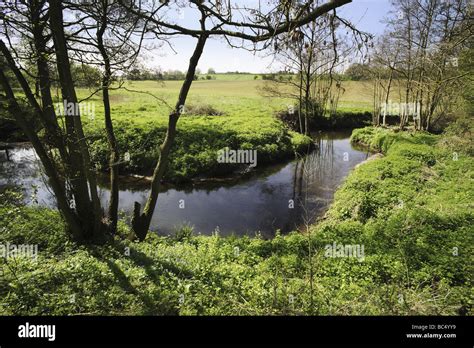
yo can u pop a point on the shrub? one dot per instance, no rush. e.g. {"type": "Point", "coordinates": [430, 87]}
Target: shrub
{"type": "Point", "coordinates": [202, 110]}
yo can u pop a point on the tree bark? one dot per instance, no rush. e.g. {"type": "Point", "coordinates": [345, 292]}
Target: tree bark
{"type": "Point", "coordinates": [43, 84]}
{"type": "Point", "coordinates": [114, 157]}
{"type": "Point", "coordinates": [85, 180]}
{"type": "Point", "coordinates": [54, 180]}
{"type": "Point", "coordinates": [141, 222]}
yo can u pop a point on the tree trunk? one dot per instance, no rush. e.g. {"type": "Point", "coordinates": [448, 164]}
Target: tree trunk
{"type": "Point", "coordinates": [85, 180]}
{"type": "Point", "coordinates": [114, 157]}
{"type": "Point", "coordinates": [141, 222]}
{"type": "Point", "coordinates": [54, 180]}
{"type": "Point", "coordinates": [389, 86]}
{"type": "Point", "coordinates": [54, 133]}
{"type": "Point", "coordinates": [300, 100]}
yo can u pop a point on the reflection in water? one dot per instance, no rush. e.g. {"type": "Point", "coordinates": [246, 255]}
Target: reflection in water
{"type": "Point", "coordinates": [261, 202]}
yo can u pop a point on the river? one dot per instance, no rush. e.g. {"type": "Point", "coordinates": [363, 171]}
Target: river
{"type": "Point", "coordinates": [278, 197]}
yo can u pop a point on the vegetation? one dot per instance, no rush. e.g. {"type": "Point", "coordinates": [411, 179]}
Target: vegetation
{"type": "Point", "coordinates": [358, 72]}
{"type": "Point", "coordinates": [235, 115]}
{"type": "Point", "coordinates": [311, 56]}
{"type": "Point", "coordinates": [423, 49]}
{"type": "Point", "coordinates": [197, 144]}
{"type": "Point", "coordinates": [411, 209]}
{"type": "Point", "coordinates": [72, 81]}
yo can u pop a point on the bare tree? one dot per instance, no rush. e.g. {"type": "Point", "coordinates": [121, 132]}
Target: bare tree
{"type": "Point", "coordinates": [382, 68]}
{"type": "Point", "coordinates": [315, 53]}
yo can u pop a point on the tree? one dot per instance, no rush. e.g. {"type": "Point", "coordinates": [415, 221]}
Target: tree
{"type": "Point", "coordinates": [108, 34]}
{"type": "Point", "coordinates": [64, 152]}
{"type": "Point", "coordinates": [86, 75]}
{"type": "Point", "coordinates": [428, 37]}
{"type": "Point", "coordinates": [73, 183]}
{"type": "Point", "coordinates": [358, 72]}
{"type": "Point", "coordinates": [383, 71]}
{"type": "Point", "coordinates": [111, 31]}
{"type": "Point", "coordinates": [313, 53]}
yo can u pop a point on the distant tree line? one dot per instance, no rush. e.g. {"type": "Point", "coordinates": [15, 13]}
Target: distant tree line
{"type": "Point", "coordinates": [143, 74]}
{"type": "Point", "coordinates": [425, 49]}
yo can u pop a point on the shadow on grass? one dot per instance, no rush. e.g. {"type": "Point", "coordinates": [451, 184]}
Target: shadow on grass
{"type": "Point", "coordinates": [164, 303]}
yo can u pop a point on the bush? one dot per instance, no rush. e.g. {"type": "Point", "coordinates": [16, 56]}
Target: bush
{"type": "Point", "coordinates": [184, 232]}
{"type": "Point", "coordinates": [458, 136]}
{"type": "Point", "coordinates": [202, 110]}
{"type": "Point", "coordinates": [339, 120]}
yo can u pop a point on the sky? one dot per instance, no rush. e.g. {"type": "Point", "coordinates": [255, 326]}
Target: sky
{"type": "Point", "coordinates": [366, 14]}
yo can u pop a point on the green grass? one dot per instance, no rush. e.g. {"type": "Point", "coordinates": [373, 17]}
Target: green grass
{"type": "Point", "coordinates": [411, 209]}
{"type": "Point", "coordinates": [140, 120]}
{"type": "Point", "coordinates": [240, 116]}
{"type": "Point", "coordinates": [247, 121]}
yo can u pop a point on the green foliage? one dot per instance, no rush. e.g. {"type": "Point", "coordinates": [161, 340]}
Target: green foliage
{"type": "Point", "coordinates": [203, 110]}
{"type": "Point", "coordinates": [300, 142]}
{"type": "Point", "coordinates": [466, 66]}
{"type": "Point", "coordinates": [86, 76]}
{"type": "Point", "coordinates": [198, 140]}
{"type": "Point", "coordinates": [459, 136]}
{"type": "Point", "coordinates": [222, 113]}
{"type": "Point", "coordinates": [184, 232]}
{"type": "Point", "coordinates": [357, 72]}
{"type": "Point", "coordinates": [35, 226]}
{"type": "Point", "coordinates": [413, 216]}
{"type": "Point", "coordinates": [343, 120]}
{"type": "Point", "coordinates": [335, 121]}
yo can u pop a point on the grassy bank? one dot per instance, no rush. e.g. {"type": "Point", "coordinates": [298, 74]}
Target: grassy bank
{"type": "Point", "coordinates": [229, 111]}
{"type": "Point", "coordinates": [198, 140]}
{"type": "Point", "coordinates": [411, 210]}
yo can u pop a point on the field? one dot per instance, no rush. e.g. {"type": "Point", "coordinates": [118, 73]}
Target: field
{"type": "Point", "coordinates": [236, 95]}
{"type": "Point", "coordinates": [229, 110]}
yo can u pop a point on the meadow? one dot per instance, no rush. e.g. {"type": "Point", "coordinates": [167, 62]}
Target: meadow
{"type": "Point", "coordinates": [236, 95]}
{"type": "Point", "coordinates": [227, 111]}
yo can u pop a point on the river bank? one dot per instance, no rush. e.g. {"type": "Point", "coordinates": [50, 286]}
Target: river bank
{"type": "Point", "coordinates": [410, 213]}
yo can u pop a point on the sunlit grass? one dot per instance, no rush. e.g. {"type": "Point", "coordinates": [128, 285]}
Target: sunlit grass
{"type": "Point", "coordinates": [245, 117]}
{"type": "Point", "coordinates": [231, 94]}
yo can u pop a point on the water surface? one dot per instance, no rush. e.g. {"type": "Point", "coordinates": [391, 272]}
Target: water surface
{"type": "Point", "coordinates": [277, 197]}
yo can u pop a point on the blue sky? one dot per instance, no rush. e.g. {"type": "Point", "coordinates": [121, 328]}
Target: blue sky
{"type": "Point", "coordinates": [366, 14]}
